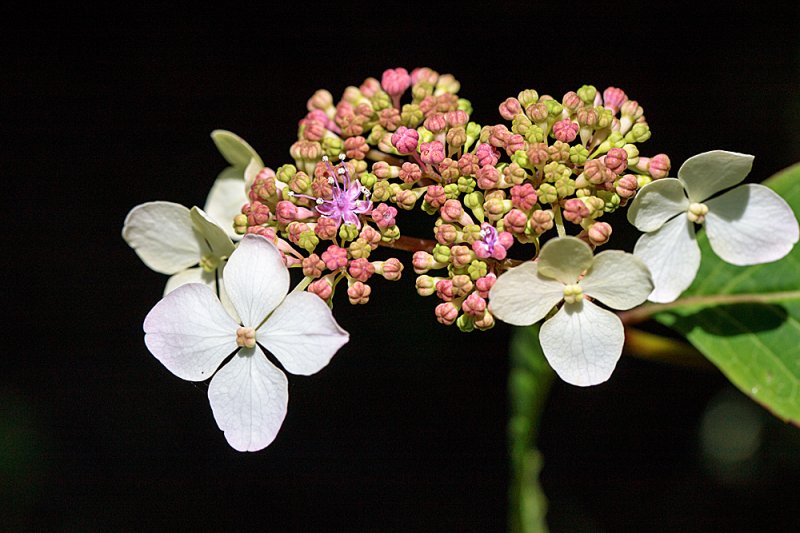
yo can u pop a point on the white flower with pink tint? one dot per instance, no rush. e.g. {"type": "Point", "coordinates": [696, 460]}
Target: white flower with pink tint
{"type": "Point", "coordinates": [191, 333]}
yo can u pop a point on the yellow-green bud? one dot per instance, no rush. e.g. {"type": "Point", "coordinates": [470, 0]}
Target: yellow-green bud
{"type": "Point", "coordinates": [477, 269]}
{"type": "Point", "coordinates": [359, 248]}
{"type": "Point", "coordinates": [348, 232]}
{"type": "Point", "coordinates": [578, 154]}
{"type": "Point", "coordinates": [441, 253]}
{"type": "Point", "coordinates": [368, 180]}
{"type": "Point", "coordinates": [587, 94]}
{"type": "Point", "coordinates": [392, 233]}
{"type": "Point", "coordinates": [285, 173]}
{"type": "Point", "coordinates": [547, 193]}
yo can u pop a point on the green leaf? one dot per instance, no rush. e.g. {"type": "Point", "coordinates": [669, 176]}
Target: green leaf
{"type": "Point", "coordinates": [234, 149]}
{"type": "Point", "coordinates": [755, 344]}
{"type": "Point", "coordinates": [529, 384]}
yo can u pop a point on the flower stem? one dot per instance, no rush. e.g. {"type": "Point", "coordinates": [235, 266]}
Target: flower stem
{"type": "Point", "coordinates": [410, 244]}
{"type": "Point", "coordinates": [559, 222]}
{"type": "Point", "coordinates": [377, 155]}
{"type": "Point", "coordinates": [646, 311]}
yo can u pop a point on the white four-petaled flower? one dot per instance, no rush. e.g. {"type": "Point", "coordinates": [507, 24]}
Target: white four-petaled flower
{"type": "Point", "coordinates": [190, 332]}
{"type": "Point", "coordinates": [582, 342]}
{"type": "Point", "coordinates": [748, 225]}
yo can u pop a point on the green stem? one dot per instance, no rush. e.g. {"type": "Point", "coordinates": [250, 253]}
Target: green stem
{"type": "Point", "coordinates": [377, 155]}
{"type": "Point", "coordinates": [645, 312]}
{"type": "Point", "coordinates": [530, 379]}
{"type": "Point", "coordinates": [559, 222]}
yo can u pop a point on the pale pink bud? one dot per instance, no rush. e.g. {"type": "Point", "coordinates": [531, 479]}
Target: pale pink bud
{"type": "Point", "coordinates": [444, 289]}
{"type": "Point", "coordinates": [514, 142]}
{"type": "Point", "coordinates": [474, 306]}
{"type": "Point", "coordinates": [422, 262]}
{"type": "Point", "coordinates": [537, 112]}
{"type": "Point", "coordinates": [597, 173]}
{"type": "Point", "coordinates": [498, 136]}
{"type": "Point", "coordinates": [425, 285]}
{"type": "Point", "coordinates": [383, 215]}
{"type": "Point", "coordinates": [483, 285]}
{"type": "Point", "coordinates": [446, 313]}
{"type": "Point", "coordinates": [384, 170]}
{"type": "Point", "coordinates": [435, 122]}
{"type": "Point", "coordinates": [627, 186]}
{"type": "Point", "coordinates": [390, 119]}
{"type": "Point", "coordinates": [446, 234]}
{"type": "Point", "coordinates": [424, 74]}
{"type": "Point", "coordinates": [487, 154]}
{"type": "Point", "coordinates": [613, 99]}
{"type": "Point", "coordinates": [326, 228]}
{"type": "Point", "coordinates": [358, 293]}
{"type": "Point", "coordinates": [468, 164]}
{"type": "Point", "coordinates": [537, 154]}
{"type": "Point", "coordinates": [356, 147]}
{"type": "Point", "coordinates": [391, 269]}
{"type": "Point", "coordinates": [510, 108]}
{"type": "Point", "coordinates": [405, 140]}
{"type": "Point", "coordinates": [571, 101]}
{"type": "Point", "coordinates": [616, 160]}
{"type": "Point", "coordinates": [267, 233]}
{"type": "Point", "coordinates": [452, 211]}
{"type": "Point", "coordinates": [321, 99]}
{"type": "Point", "coordinates": [295, 229]}
{"type": "Point", "coordinates": [313, 130]}
{"type": "Point", "coordinates": [457, 118]}
{"type": "Point", "coordinates": [523, 196]}
{"type": "Point", "coordinates": [659, 166]}
{"type": "Point", "coordinates": [599, 233]}
{"type": "Point", "coordinates": [313, 266]}
{"type": "Point", "coordinates": [371, 235]}
{"type": "Point", "coordinates": [435, 196]}
{"type": "Point", "coordinates": [461, 256]}
{"type": "Point", "coordinates": [370, 87]}
{"type": "Point", "coordinates": [286, 212]}
{"type": "Point", "coordinates": [321, 287]}
{"type": "Point", "coordinates": [462, 285]}
{"type": "Point", "coordinates": [410, 172]}
{"type": "Point", "coordinates": [257, 214]}
{"type": "Point", "coordinates": [541, 221]}
{"type": "Point", "coordinates": [395, 81]}
{"type": "Point", "coordinates": [575, 210]}
{"type": "Point", "coordinates": [565, 130]}
{"type": "Point", "coordinates": [334, 257]}
{"type": "Point", "coordinates": [361, 269]}
{"type": "Point", "coordinates": [432, 153]}
{"type": "Point", "coordinates": [487, 177]}
{"type": "Point", "coordinates": [515, 221]}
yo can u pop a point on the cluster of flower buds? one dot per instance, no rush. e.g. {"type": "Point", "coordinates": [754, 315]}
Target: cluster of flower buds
{"type": "Point", "coordinates": [407, 141]}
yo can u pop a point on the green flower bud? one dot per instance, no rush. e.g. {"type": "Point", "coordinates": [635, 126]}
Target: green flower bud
{"type": "Point", "coordinates": [380, 100]}
{"type": "Point", "coordinates": [308, 241]}
{"type": "Point", "coordinates": [604, 117]}
{"type": "Point", "coordinates": [535, 134]}
{"type": "Point", "coordinates": [472, 232]}
{"type": "Point", "coordinates": [633, 154]}
{"type": "Point", "coordinates": [477, 269]}
{"type": "Point", "coordinates": [359, 248]}
{"type": "Point", "coordinates": [547, 194]}
{"type": "Point", "coordinates": [240, 224]}
{"type": "Point", "coordinates": [381, 191]}
{"type": "Point", "coordinates": [555, 171]}
{"type": "Point", "coordinates": [495, 208]}
{"type": "Point", "coordinates": [392, 233]}
{"type": "Point", "coordinates": [425, 135]}
{"type": "Point", "coordinates": [528, 97]}
{"type": "Point", "coordinates": [465, 323]}
{"type": "Point", "coordinates": [610, 200]}
{"type": "Point", "coordinates": [639, 133]}
{"type": "Point", "coordinates": [587, 94]}
{"type": "Point", "coordinates": [466, 185]}
{"type": "Point", "coordinates": [447, 83]}
{"type": "Point", "coordinates": [473, 132]}
{"type": "Point", "coordinates": [441, 253]}
{"type": "Point", "coordinates": [465, 105]}
{"type": "Point", "coordinates": [451, 191]}
{"type": "Point", "coordinates": [565, 187]}
{"type": "Point", "coordinates": [375, 135]}
{"type": "Point", "coordinates": [596, 206]}
{"type": "Point", "coordinates": [520, 124]}
{"type": "Point", "coordinates": [520, 158]}
{"type": "Point", "coordinates": [554, 109]}
{"type": "Point", "coordinates": [406, 199]}
{"type": "Point", "coordinates": [348, 232]}
{"type": "Point", "coordinates": [428, 208]}
{"type": "Point", "coordinates": [411, 116]}
{"type": "Point", "coordinates": [368, 180]}
{"type": "Point", "coordinates": [615, 140]}
{"type": "Point", "coordinates": [285, 173]}
{"type": "Point", "coordinates": [332, 146]}
{"type": "Point", "coordinates": [420, 90]}
{"type": "Point", "coordinates": [643, 180]}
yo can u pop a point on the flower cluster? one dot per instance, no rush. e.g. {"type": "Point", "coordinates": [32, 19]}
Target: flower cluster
{"type": "Point", "coordinates": [516, 211]}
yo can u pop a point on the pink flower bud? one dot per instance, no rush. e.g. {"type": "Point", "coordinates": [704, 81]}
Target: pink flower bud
{"type": "Point", "coordinates": [571, 101]}
{"type": "Point", "coordinates": [371, 236]}
{"type": "Point", "coordinates": [487, 155]}
{"type": "Point", "coordinates": [523, 196]}
{"type": "Point", "coordinates": [541, 221]}
{"type": "Point", "coordinates": [313, 266]}
{"type": "Point", "coordinates": [321, 287]}
{"type": "Point", "coordinates": [370, 87]}
{"type": "Point", "coordinates": [356, 147]}
{"type": "Point", "coordinates": [326, 228]}
{"type": "Point", "coordinates": [575, 210]}
{"type": "Point", "coordinates": [488, 177]}
{"type": "Point", "coordinates": [383, 170]}
{"type": "Point", "coordinates": [613, 99]}
{"type": "Point", "coordinates": [286, 211]}
{"type": "Point", "coordinates": [405, 140]}
{"type": "Point", "coordinates": [474, 306]}
{"type": "Point", "coordinates": [446, 234]}
{"type": "Point", "coordinates": [461, 256]}
{"type": "Point", "coordinates": [537, 154]}
{"type": "Point", "coordinates": [358, 293]}
{"type": "Point", "coordinates": [424, 74]}
{"type": "Point", "coordinates": [444, 290]}
{"type": "Point", "coordinates": [435, 196]}
{"type": "Point", "coordinates": [335, 257]}
{"type": "Point", "coordinates": [395, 81]}
{"type": "Point", "coordinates": [468, 164]}
{"type": "Point", "coordinates": [446, 313]}
{"type": "Point", "coordinates": [483, 285]}
{"type": "Point", "coordinates": [435, 122]}
{"type": "Point", "coordinates": [565, 130]}
{"type": "Point", "coordinates": [659, 166]}
{"type": "Point", "coordinates": [452, 211]}
{"type": "Point", "coordinates": [597, 173]}
{"type": "Point", "coordinates": [515, 221]}
{"type": "Point", "coordinates": [462, 285]}
{"type": "Point", "coordinates": [498, 136]}
{"type": "Point", "coordinates": [257, 214]}
{"type": "Point", "coordinates": [616, 160]}
{"type": "Point", "coordinates": [321, 99]}
{"type": "Point", "coordinates": [391, 269]}
{"type": "Point", "coordinates": [267, 233]}
{"type": "Point", "coordinates": [514, 142]}
{"type": "Point", "coordinates": [422, 262]}
{"type": "Point", "coordinates": [627, 186]}
{"type": "Point", "coordinates": [361, 269]}
{"type": "Point", "coordinates": [313, 130]}
{"type": "Point", "coordinates": [383, 215]}
{"type": "Point", "coordinates": [510, 108]}
{"type": "Point", "coordinates": [431, 153]}
{"type": "Point", "coordinates": [410, 172]}
{"type": "Point", "coordinates": [599, 233]}
{"type": "Point", "coordinates": [406, 199]}
{"type": "Point", "coordinates": [537, 112]}
{"type": "Point", "coordinates": [295, 229]}
{"type": "Point", "coordinates": [457, 118]}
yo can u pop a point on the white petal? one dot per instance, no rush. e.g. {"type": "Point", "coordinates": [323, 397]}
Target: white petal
{"type": "Point", "coordinates": [673, 257]}
{"type": "Point", "coordinates": [226, 198]}
{"type": "Point", "coordinates": [750, 225]}
{"type": "Point", "coordinates": [302, 333]}
{"type": "Point", "coordinates": [234, 149]}
{"type": "Point", "coordinates": [162, 235]}
{"type": "Point", "coordinates": [248, 398]}
{"type": "Point", "coordinates": [256, 279]}
{"type": "Point", "coordinates": [218, 241]}
{"type": "Point", "coordinates": [564, 259]}
{"type": "Point", "coordinates": [522, 296]}
{"type": "Point", "coordinates": [191, 275]}
{"type": "Point", "coordinates": [582, 343]}
{"type": "Point", "coordinates": [656, 203]}
{"type": "Point", "coordinates": [190, 332]}
{"type": "Point", "coordinates": [708, 173]}
{"type": "Point", "coordinates": [618, 279]}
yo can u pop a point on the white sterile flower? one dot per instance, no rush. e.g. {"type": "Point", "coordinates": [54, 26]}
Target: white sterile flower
{"type": "Point", "coordinates": [582, 342]}
{"type": "Point", "coordinates": [169, 238]}
{"type": "Point", "coordinates": [748, 225]}
{"type": "Point", "coordinates": [190, 332]}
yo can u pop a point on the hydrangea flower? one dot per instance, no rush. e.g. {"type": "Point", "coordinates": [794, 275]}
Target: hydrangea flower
{"type": "Point", "coordinates": [748, 225]}
{"type": "Point", "coordinates": [191, 333]}
{"type": "Point", "coordinates": [170, 238]}
{"type": "Point", "coordinates": [582, 342]}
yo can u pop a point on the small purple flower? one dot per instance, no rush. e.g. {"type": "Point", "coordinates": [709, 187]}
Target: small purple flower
{"type": "Point", "coordinates": [348, 199]}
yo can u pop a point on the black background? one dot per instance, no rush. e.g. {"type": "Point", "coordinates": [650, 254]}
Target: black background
{"type": "Point", "coordinates": [405, 430]}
